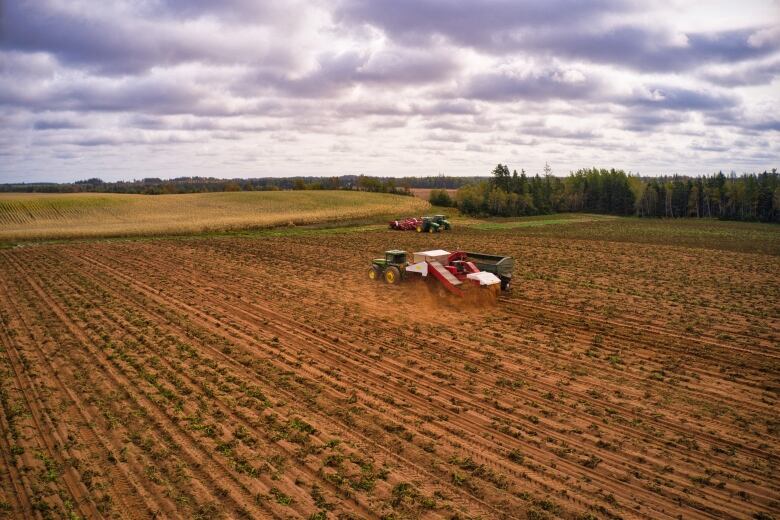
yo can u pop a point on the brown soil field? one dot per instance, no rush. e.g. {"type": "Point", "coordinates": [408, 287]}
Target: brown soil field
{"type": "Point", "coordinates": [267, 377]}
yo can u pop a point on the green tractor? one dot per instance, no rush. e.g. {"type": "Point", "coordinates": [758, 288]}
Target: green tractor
{"type": "Point", "coordinates": [391, 268]}
{"type": "Point", "coordinates": [433, 224]}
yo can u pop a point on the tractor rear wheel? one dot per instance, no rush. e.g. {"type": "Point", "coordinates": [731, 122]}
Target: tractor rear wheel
{"type": "Point", "coordinates": [419, 229]}
{"type": "Point", "coordinates": [374, 273]}
{"type": "Point", "coordinates": [392, 275]}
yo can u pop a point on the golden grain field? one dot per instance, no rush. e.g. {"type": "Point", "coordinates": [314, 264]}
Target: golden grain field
{"type": "Point", "coordinates": [50, 216]}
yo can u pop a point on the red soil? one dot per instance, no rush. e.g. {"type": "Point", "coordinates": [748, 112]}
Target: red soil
{"type": "Point", "coordinates": [271, 378]}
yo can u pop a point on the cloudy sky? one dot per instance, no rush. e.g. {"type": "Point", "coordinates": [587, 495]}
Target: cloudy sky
{"type": "Point", "coordinates": [246, 88]}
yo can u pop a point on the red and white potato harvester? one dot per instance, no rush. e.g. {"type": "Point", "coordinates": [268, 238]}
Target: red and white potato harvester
{"type": "Point", "coordinates": [455, 271]}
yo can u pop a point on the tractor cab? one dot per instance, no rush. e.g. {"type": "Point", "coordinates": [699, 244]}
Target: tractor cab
{"type": "Point", "coordinates": [428, 225]}
{"type": "Point", "coordinates": [391, 268]}
{"type": "Point", "coordinates": [395, 257]}
{"type": "Point", "coordinates": [442, 221]}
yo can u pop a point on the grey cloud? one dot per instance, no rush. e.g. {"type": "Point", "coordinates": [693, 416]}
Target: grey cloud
{"type": "Point", "coordinates": [87, 75]}
{"type": "Point", "coordinates": [447, 107]}
{"type": "Point", "coordinates": [433, 108]}
{"type": "Point", "coordinates": [536, 86]}
{"type": "Point", "coordinates": [771, 125]}
{"type": "Point", "coordinates": [481, 24]}
{"type": "Point", "coordinates": [751, 74]}
{"type": "Point", "coordinates": [460, 126]}
{"type": "Point", "coordinates": [342, 70]}
{"type": "Point", "coordinates": [387, 124]}
{"type": "Point", "coordinates": [120, 140]}
{"type": "Point", "coordinates": [195, 124]}
{"type": "Point", "coordinates": [233, 10]}
{"type": "Point", "coordinates": [147, 94]}
{"type": "Point", "coordinates": [510, 26]}
{"type": "Point", "coordinates": [406, 66]}
{"type": "Point", "coordinates": [161, 94]}
{"type": "Point", "coordinates": [516, 140]}
{"type": "Point", "coordinates": [543, 130]}
{"type": "Point", "coordinates": [372, 108]}
{"type": "Point", "coordinates": [647, 49]}
{"type": "Point", "coordinates": [683, 99]}
{"type": "Point", "coordinates": [637, 120]}
{"type": "Point", "coordinates": [83, 39]}
{"type": "Point", "coordinates": [710, 147]}
{"type": "Point", "coordinates": [55, 124]}
{"type": "Point", "coordinates": [284, 137]}
{"type": "Point", "coordinates": [450, 137]}
{"type": "Point", "coordinates": [100, 141]}
{"type": "Point", "coordinates": [746, 124]}
{"type": "Point", "coordinates": [122, 42]}
{"type": "Point", "coordinates": [340, 148]}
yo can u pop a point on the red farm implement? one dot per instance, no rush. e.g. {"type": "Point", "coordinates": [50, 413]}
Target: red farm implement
{"type": "Point", "coordinates": [454, 272]}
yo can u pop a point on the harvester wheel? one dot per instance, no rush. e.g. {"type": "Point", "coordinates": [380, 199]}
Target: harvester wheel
{"type": "Point", "coordinates": [392, 275]}
{"type": "Point", "coordinates": [374, 273]}
{"type": "Point", "coordinates": [419, 229]}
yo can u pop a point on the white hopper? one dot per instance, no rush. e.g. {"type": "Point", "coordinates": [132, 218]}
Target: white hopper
{"type": "Point", "coordinates": [435, 255]}
{"type": "Point", "coordinates": [484, 278]}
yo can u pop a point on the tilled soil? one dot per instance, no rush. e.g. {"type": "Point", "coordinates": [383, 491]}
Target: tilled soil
{"type": "Point", "coordinates": [262, 378]}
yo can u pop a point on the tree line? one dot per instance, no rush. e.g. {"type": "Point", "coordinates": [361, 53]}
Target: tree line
{"type": "Point", "coordinates": [505, 193]}
{"type": "Point", "coordinates": [593, 190]}
{"type": "Point", "coordinates": [157, 186]}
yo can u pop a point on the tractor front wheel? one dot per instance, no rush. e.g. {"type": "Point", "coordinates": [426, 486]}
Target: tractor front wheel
{"type": "Point", "coordinates": [392, 275]}
{"type": "Point", "coordinates": [374, 273]}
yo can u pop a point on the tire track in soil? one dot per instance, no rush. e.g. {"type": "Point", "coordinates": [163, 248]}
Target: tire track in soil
{"type": "Point", "coordinates": [537, 300]}
{"type": "Point", "coordinates": [236, 419]}
{"type": "Point", "coordinates": [763, 410]}
{"type": "Point", "coordinates": [475, 430]}
{"type": "Point", "coordinates": [584, 340]}
{"type": "Point", "coordinates": [204, 463]}
{"type": "Point", "coordinates": [650, 342]}
{"type": "Point", "coordinates": [210, 322]}
{"type": "Point", "coordinates": [223, 355]}
{"type": "Point", "coordinates": [257, 313]}
{"type": "Point", "coordinates": [224, 245]}
{"type": "Point", "coordinates": [669, 425]}
{"type": "Point", "coordinates": [129, 485]}
{"type": "Point", "coordinates": [22, 493]}
{"type": "Point", "coordinates": [632, 327]}
{"type": "Point", "coordinates": [729, 398]}
{"type": "Point", "coordinates": [711, 498]}
{"type": "Point", "coordinates": [475, 361]}
{"type": "Point", "coordinates": [48, 435]}
{"type": "Point", "coordinates": [475, 455]}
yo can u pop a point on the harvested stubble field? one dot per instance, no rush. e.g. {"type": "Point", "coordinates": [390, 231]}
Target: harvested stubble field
{"type": "Point", "coordinates": [25, 216]}
{"type": "Point", "coordinates": [267, 377]}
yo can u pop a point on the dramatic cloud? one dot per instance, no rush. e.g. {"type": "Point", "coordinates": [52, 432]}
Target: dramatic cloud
{"type": "Point", "coordinates": [559, 28]}
{"type": "Point", "coordinates": [491, 25]}
{"type": "Point", "coordinates": [536, 85]}
{"type": "Point", "coordinates": [132, 88]}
